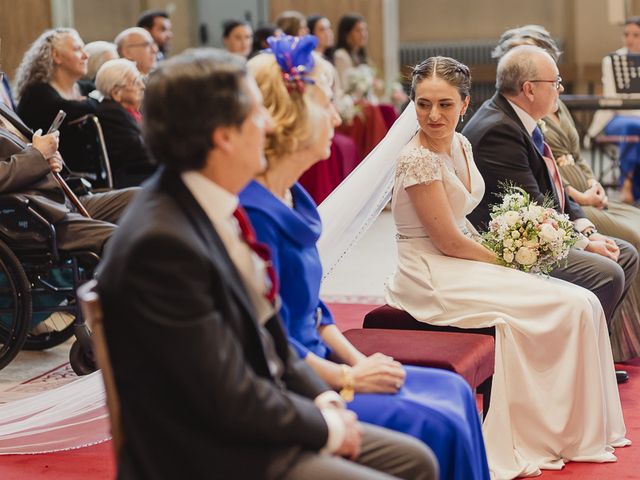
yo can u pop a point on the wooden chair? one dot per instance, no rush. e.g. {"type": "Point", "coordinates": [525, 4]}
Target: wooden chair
{"type": "Point", "coordinates": [92, 311]}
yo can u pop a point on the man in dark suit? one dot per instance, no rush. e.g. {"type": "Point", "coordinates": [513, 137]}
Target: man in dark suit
{"type": "Point", "coordinates": [209, 387]}
{"type": "Point", "coordinates": [508, 147]}
{"type": "Point", "coordinates": [25, 168]}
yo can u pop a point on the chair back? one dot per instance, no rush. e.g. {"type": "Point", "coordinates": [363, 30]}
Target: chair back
{"type": "Point", "coordinates": [94, 163]}
{"type": "Point", "coordinates": [92, 312]}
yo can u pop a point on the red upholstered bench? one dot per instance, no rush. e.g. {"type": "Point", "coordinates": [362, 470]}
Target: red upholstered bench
{"type": "Point", "coordinates": [389, 317]}
{"type": "Point", "coordinates": [470, 355]}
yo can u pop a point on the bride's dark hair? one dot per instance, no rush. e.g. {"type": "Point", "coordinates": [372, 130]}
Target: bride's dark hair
{"type": "Point", "coordinates": [452, 71]}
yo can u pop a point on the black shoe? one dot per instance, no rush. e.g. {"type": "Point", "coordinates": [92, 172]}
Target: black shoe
{"type": "Point", "coordinates": [622, 376]}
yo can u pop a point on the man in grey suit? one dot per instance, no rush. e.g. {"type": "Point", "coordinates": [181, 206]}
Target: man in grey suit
{"type": "Point", "coordinates": [508, 146]}
{"type": "Point", "coordinates": [27, 161]}
{"type": "Point", "coordinates": [208, 385]}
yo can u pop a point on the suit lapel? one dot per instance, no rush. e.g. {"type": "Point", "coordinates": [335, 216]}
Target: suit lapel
{"type": "Point", "coordinates": [506, 107]}
{"type": "Point", "coordinates": [208, 234]}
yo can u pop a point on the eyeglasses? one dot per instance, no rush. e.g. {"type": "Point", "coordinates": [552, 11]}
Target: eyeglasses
{"type": "Point", "coordinates": [141, 44]}
{"type": "Point", "coordinates": [556, 83]}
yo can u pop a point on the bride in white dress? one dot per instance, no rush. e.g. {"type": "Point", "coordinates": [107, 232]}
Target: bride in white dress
{"type": "Point", "coordinates": [554, 396]}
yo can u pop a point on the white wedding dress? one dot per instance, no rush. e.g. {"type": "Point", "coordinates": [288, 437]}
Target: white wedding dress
{"type": "Point", "coordinates": [554, 395]}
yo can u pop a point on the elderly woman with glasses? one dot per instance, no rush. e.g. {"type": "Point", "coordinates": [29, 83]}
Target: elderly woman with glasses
{"type": "Point", "coordinates": [47, 81]}
{"type": "Point", "coordinates": [121, 84]}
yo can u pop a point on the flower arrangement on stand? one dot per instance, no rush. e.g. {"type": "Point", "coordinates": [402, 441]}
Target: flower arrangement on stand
{"type": "Point", "coordinates": [527, 236]}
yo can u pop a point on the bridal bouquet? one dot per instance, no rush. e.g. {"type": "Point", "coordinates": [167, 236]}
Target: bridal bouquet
{"type": "Point", "coordinates": [527, 236]}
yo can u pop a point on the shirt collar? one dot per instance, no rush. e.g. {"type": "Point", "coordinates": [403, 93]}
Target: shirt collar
{"type": "Point", "coordinates": [527, 120]}
{"type": "Point", "coordinates": [218, 203]}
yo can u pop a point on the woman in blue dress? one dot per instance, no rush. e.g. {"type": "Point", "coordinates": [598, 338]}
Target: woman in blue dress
{"type": "Point", "coordinates": [433, 405]}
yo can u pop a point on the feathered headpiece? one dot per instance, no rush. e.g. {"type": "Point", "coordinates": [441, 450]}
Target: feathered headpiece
{"type": "Point", "coordinates": [294, 57]}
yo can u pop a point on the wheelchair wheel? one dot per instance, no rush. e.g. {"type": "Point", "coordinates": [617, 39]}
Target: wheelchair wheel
{"type": "Point", "coordinates": [15, 305]}
{"type": "Point", "coordinates": [81, 363]}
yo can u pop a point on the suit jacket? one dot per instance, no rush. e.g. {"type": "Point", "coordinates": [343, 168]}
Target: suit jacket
{"type": "Point", "coordinates": [24, 170]}
{"type": "Point", "coordinates": [197, 396]}
{"type": "Point", "coordinates": [128, 154]}
{"type": "Point", "coordinates": [504, 151]}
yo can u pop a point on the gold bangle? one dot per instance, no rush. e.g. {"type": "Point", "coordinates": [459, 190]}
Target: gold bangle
{"type": "Point", "coordinates": [347, 391]}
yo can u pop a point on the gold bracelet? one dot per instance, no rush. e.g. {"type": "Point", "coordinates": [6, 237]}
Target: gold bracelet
{"type": "Point", "coordinates": [347, 391]}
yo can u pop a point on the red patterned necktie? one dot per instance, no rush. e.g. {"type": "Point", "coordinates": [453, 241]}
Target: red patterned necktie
{"type": "Point", "coordinates": [260, 249]}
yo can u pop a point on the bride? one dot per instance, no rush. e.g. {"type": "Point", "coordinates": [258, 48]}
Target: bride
{"type": "Point", "coordinates": [554, 395]}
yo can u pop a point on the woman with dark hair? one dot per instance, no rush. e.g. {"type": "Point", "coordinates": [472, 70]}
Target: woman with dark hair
{"type": "Point", "coordinates": [260, 36]}
{"type": "Point", "coordinates": [320, 27]}
{"type": "Point", "coordinates": [293, 23]}
{"type": "Point", "coordinates": [237, 36]}
{"type": "Point", "coordinates": [47, 81]}
{"type": "Point", "coordinates": [351, 50]}
{"type": "Point", "coordinates": [624, 122]}
{"type": "Point", "coordinates": [433, 405]}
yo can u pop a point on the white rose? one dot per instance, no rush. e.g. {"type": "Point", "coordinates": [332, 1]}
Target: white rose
{"type": "Point", "coordinates": [512, 218]}
{"type": "Point", "coordinates": [549, 234]}
{"type": "Point", "coordinates": [518, 243]}
{"type": "Point", "coordinates": [508, 256]}
{"type": "Point", "coordinates": [526, 256]}
{"type": "Point", "coordinates": [515, 234]}
{"type": "Point", "coordinates": [508, 243]}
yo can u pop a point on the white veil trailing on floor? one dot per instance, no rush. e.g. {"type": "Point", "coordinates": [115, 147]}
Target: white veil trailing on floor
{"type": "Point", "coordinates": [74, 415]}
{"type": "Point", "coordinates": [349, 211]}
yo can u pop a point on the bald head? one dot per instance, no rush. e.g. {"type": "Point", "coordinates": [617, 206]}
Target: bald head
{"type": "Point", "coordinates": [520, 64]}
{"type": "Point", "coordinates": [528, 77]}
{"type": "Point", "coordinates": [137, 45]}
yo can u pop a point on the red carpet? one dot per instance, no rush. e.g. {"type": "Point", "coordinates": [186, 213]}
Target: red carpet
{"type": "Point", "coordinates": [95, 462]}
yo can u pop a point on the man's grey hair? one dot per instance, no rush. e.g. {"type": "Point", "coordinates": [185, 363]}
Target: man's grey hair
{"type": "Point", "coordinates": [114, 74]}
{"type": "Point", "coordinates": [98, 52]}
{"type": "Point", "coordinates": [122, 39]}
{"type": "Point", "coordinates": [516, 67]}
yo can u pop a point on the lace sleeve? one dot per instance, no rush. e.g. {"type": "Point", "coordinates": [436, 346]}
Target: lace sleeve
{"type": "Point", "coordinates": [419, 165]}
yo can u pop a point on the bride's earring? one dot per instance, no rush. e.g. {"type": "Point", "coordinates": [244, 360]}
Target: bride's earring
{"type": "Point", "coordinates": [462, 118]}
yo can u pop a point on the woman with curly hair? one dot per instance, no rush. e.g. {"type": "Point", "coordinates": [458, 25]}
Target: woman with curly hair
{"type": "Point", "coordinates": [47, 81]}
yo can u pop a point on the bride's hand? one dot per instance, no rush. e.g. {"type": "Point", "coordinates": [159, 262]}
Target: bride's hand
{"type": "Point", "coordinates": [378, 374]}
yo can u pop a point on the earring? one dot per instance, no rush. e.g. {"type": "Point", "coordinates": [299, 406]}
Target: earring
{"type": "Point", "coordinates": [462, 118]}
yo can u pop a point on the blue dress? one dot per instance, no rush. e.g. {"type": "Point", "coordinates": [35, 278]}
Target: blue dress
{"type": "Point", "coordinates": [435, 406]}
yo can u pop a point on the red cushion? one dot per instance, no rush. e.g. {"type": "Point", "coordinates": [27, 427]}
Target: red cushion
{"type": "Point", "coordinates": [467, 354]}
{"type": "Point", "coordinates": [389, 317]}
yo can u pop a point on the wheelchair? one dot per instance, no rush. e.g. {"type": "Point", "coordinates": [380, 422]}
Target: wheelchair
{"type": "Point", "coordinates": [38, 308]}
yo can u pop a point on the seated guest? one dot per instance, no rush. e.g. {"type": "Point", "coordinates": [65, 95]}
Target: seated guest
{"type": "Point", "coordinates": [622, 122]}
{"type": "Point", "coordinates": [351, 47]}
{"type": "Point", "coordinates": [158, 24]}
{"type": "Point", "coordinates": [207, 384]}
{"type": "Point", "coordinates": [26, 163]}
{"type": "Point", "coordinates": [136, 44]}
{"type": "Point", "coordinates": [47, 82]}
{"type": "Point", "coordinates": [320, 27]}
{"type": "Point", "coordinates": [121, 84]}
{"type": "Point", "coordinates": [99, 52]}
{"type": "Point", "coordinates": [237, 36]}
{"type": "Point", "coordinates": [435, 406]}
{"type": "Point", "coordinates": [260, 36]}
{"type": "Point", "coordinates": [508, 147]}
{"type": "Point", "coordinates": [293, 23]}
{"type": "Point", "coordinates": [610, 217]}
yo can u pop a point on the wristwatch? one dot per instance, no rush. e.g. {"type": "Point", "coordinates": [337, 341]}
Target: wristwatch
{"type": "Point", "coordinates": [347, 391]}
{"type": "Point", "coordinates": [589, 231]}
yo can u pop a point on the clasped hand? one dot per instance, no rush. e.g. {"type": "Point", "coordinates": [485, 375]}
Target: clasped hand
{"type": "Point", "coordinates": [597, 196]}
{"type": "Point", "coordinates": [378, 373]}
{"type": "Point", "coordinates": [604, 246]}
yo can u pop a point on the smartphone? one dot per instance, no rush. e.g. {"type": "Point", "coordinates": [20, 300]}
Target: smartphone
{"type": "Point", "coordinates": [55, 125]}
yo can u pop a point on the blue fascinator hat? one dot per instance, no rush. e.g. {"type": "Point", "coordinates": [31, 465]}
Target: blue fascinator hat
{"type": "Point", "coordinates": [295, 59]}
